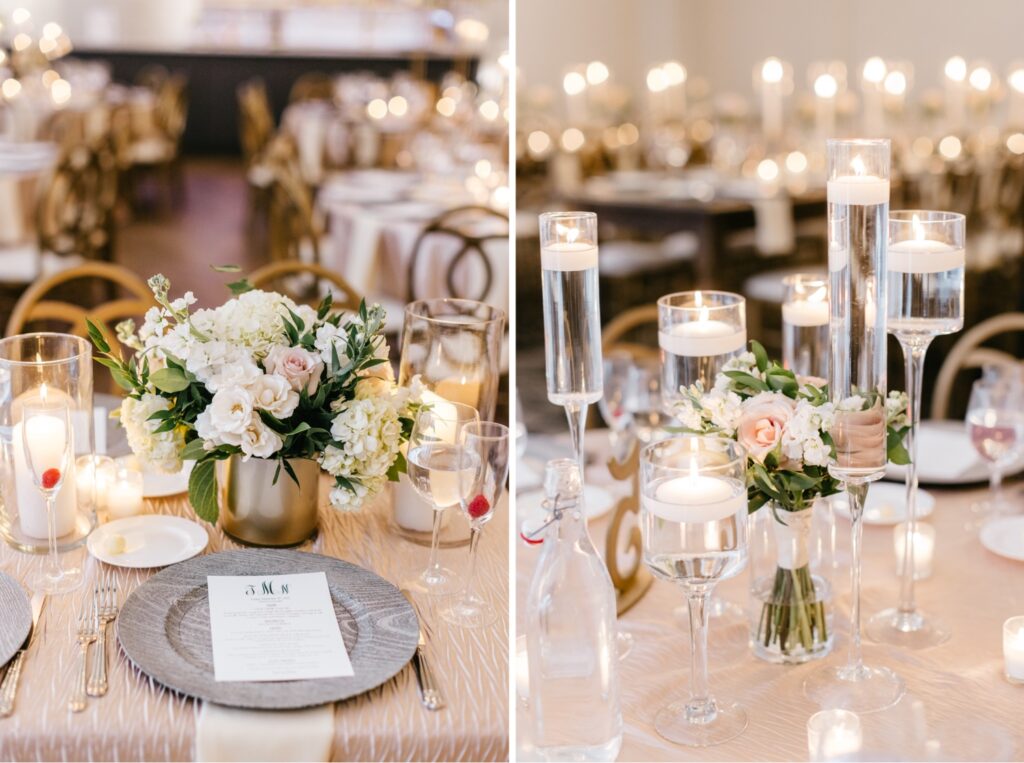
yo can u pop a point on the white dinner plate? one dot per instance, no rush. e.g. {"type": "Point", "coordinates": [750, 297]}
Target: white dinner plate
{"type": "Point", "coordinates": [150, 540]}
{"type": "Point", "coordinates": [946, 457]}
{"type": "Point", "coordinates": [886, 504]}
{"type": "Point", "coordinates": [1004, 536]}
{"type": "Point", "coordinates": [159, 485]}
{"type": "Point", "coordinates": [596, 500]}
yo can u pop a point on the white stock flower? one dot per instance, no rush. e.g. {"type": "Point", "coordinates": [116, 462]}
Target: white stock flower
{"type": "Point", "coordinates": [328, 336]}
{"type": "Point", "coordinates": [162, 450]}
{"type": "Point", "coordinates": [273, 394]}
{"type": "Point", "coordinates": [852, 403]}
{"type": "Point", "coordinates": [723, 408]}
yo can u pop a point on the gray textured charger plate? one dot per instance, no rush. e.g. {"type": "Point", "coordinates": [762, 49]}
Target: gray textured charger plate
{"type": "Point", "coordinates": [164, 628]}
{"type": "Point", "coordinates": [15, 618]}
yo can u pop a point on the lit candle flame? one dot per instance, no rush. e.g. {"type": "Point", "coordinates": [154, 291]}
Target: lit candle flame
{"type": "Point", "coordinates": [858, 165]}
{"type": "Point", "coordinates": [918, 228]}
{"type": "Point", "coordinates": [42, 392]}
{"type": "Point", "coordinates": [568, 234]}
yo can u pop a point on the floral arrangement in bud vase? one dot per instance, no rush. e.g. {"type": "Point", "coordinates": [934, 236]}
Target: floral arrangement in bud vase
{"type": "Point", "coordinates": [261, 378]}
{"type": "Point", "coordinates": [785, 422]}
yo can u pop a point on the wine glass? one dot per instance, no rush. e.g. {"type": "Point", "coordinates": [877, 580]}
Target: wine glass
{"type": "Point", "coordinates": [631, 400]}
{"type": "Point", "coordinates": [995, 423]}
{"type": "Point", "coordinates": [435, 465]}
{"type": "Point", "coordinates": [48, 442]}
{"type": "Point", "coordinates": [484, 469]}
{"type": "Point", "coordinates": [926, 299]}
{"type": "Point", "coordinates": [693, 521]}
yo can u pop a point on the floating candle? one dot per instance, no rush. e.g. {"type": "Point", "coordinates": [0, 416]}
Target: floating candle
{"type": "Point", "coordinates": [695, 498]}
{"type": "Point", "coordinates": [923, 255]}
{"type": "Point", "coordinates": [702, 337]}
{"type": "Point", "coordinates": [568, 256]}
{"type": "Point", "coordinates": [859, 188]}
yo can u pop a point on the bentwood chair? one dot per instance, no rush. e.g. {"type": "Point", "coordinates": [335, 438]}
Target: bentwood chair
{"type": "Point", "coordinates": [294, 225]}
{"type": "Point", "coordinates": [628, 331]}
{"type": "Point", "coordinates": [472, 228]}
{"type": "Point", "coordinates": [306, 282]}
{"type": "Point", "coordinates": [968, 353]}
{"type": "Point", "coordinates": [312, 86]}
{"type": "Point", "coordinates": [255, 120]}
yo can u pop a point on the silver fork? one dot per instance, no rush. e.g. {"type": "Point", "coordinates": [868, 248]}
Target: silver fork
{"type": "Point", "coordinates": [106, 613]}
{"type": "Point", "coordinates": [88, 625]}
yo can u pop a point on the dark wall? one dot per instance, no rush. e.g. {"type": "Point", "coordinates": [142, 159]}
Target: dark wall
{"type": "Point", "coordinates": [212, 79]}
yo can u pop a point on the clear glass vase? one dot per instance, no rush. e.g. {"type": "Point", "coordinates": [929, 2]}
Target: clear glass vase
{"type": "Point", "coordinates": [791, 588]}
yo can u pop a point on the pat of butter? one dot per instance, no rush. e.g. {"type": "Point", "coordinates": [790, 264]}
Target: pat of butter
{"type": "Point", "coordinates": [114, 544]}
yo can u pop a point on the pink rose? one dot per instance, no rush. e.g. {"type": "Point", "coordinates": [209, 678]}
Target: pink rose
{"type": "Point", "coordinates": [762, 421]}
{"type": "Point", "coordinates": [299, 367]}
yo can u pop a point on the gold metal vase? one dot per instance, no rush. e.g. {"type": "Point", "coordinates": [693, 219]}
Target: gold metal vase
{"type": "Point", "coordinates": [259, 512]}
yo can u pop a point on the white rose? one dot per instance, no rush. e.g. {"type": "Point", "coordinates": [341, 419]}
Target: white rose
{"type": "Point", "coordinates": [259, 440]}
{"type": "Point", "coordinates": [230, 411]}
{"type": "Point", "coordinates": [273, 394]}
{"type": "Point", "coordinates": [299, 367]}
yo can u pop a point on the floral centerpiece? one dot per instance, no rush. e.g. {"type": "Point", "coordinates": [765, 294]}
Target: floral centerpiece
{"type": "Point", "coordinates": [785, 423]}
{"type": "Point", "coordinates": [261, 377]}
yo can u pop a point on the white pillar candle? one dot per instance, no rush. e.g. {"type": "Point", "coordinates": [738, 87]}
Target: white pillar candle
{"type": "Point", "coordinates": [924, 548]}
{"type": "Point", "coordinates": [858, 189]}
{"type": "Point", "coordinates": [811, 311]}
{"type": "Point", "coordinates": [568, 256]}
{"type": "Point", "coordinates": [702, 337]}
{"type": "Point", "coordinates": [46, 435]}
{"type": "Point", "coordinates": [124, 495]}
{"type": "Point", "coordinates": [833, 734]}
{"type": "Point", "coordinates": [1013, 649]}
{"type": "Point", "coordinates": [695, 498]}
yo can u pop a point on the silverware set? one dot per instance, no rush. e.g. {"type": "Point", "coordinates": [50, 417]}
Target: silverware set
{"type": "Point", "coordinates": [95, 614]}
{"type": "Point", "coordinates": [430, 690]}
{"type": "Point", "coordinates": [9, 686]}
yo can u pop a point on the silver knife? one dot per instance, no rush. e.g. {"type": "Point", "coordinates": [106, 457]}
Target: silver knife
{"type": "Point", "coordinates": [9, 687]}
{"type": "Point", "coordinates": [430, 692]}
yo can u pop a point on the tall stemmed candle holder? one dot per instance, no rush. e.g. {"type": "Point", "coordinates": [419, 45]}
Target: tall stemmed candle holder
{"type": "Point", "coordinates": [858, 194]}
{"type": "Point", "coordinates": [925, 299]}
{"type": "Point", "coordinates": [693, 522]}
{"type": "Point", "coordinates": [572, 318]}
{"type": "Point", "coordinates": [805, 345]}
{"type": "Point", "coordinates": [698, 331]}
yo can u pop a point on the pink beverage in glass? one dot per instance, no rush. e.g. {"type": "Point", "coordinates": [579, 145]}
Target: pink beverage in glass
{"type": "Point", "coordinates": [994, 442]}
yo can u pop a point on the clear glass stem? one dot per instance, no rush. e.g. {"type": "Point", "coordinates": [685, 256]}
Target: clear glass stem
{"type": "Point", "coordinates": [53, 560]}
{"type": "Point", "coordinates": [858, 493]}
{"type": "Point", "coordinates": [995, 486]}
{"type": "Point", "coordinates": [701, 706]}
{"type": "Point", "coordinates": [474, 540]}
{"type": "Point", "coordinates": [913, 357]}
{"type": "Point", "coordinates": [434, 566]}
{"type": "Point", "coordinates": [577, 415]}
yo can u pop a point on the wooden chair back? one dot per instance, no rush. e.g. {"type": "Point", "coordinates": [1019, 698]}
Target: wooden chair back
{"type": "Point", "coordinates": [39, 305]}
{"type": "Point", "coordinates": [613, 336]}
{"type": "Point", "coordinates": [294, 230]}
{"type": "Point", "coordinates": [968, 353]}
{"type": "Point", "coordinates": [312, 86]}
{"type": "Point", "coordinates": [171, 110]}
{"type": "Point", "coordinates": [459, 223]}
{"type": "Point", "coordinates": [75, 214]}
{"type": "Point", "coordinates": [256, 120]}
{"type": "Point", "coordinates": [305, 282]}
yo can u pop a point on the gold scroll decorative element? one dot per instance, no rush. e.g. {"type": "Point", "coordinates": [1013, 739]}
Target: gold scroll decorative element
{"type": "Point", "coordinates": [631, 582]}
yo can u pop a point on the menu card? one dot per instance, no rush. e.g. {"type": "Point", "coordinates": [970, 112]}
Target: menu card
{"type": "Point", "coordinates": [275, 628]}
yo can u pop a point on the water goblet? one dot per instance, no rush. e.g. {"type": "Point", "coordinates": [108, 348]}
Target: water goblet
{"type": "Point", "coordinates": [995, 424]}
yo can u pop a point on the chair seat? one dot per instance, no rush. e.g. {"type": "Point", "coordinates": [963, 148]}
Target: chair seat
{"type": "Point", "coordinates": [24, 264]}
{"type": "Point", "coordinates": [151, 150]}
{"type": "Point", "coordinates": [768, 286]}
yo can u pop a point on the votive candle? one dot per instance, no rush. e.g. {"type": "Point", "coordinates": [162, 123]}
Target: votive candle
{"type": "Point", "coordinates": [125, 494]}
{"type": "Point", "coordinates": [833, 734]}
{"type": "Point", "coordinates": [1013, 649]}
{"type": "Point", "coordinates": [924, 548]}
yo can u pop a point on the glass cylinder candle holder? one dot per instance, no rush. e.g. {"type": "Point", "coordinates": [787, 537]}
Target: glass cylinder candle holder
{"type": "Point", "coordinates": [94, 473]}
{"type": "Point", "coordinates": [833, 735]}
{"type": "Point", "coordinates": [1013, 649]}
{"type": "Point", "coordinates": [698, 331]}
{"type": "Point", "coordinates": [572, 316]}
{"type": "Point", "coordinates": [455, 347]}
{"type": "Point", "coordinates": [858, 211]}
{"type": "Point", "coordinates": [32, 367]}
{"type": "Point", "coordinates": [805, 345]}
{"type": "Point", "coordinates": [125, 493]}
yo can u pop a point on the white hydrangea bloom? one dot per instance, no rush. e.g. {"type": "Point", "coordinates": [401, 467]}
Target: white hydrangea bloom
{"type": "Point", "coordinates": [367, 434]}
{"type": "Point", "coordinates": [162, 450]}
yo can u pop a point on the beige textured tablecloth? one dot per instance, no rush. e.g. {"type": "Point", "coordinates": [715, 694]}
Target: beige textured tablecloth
{"type": "Point", "coordinates": [958, 706]}
{"type": "Point", "coordinates": [140, 720]}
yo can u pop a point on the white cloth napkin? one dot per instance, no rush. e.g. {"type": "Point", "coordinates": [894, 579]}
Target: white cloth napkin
{"type": "Point", "coordinates": [231, 734]}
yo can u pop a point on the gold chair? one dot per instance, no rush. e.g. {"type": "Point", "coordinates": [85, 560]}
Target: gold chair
{"type": "Point", "coordinates": [968, 353]}
{"type": "Point", "coordinates": [311, 280]}
{"type": "Point", "coordinates": [256, 120]}
{"type": "Point", "coordinates": [294, 227]}
{"type": "Point", "coordinates": [459, 223]}
{"type": "Point", "coordinates": [157, 152]}
{"type": "Point", "coordinates": [624, 324]}
{"type": "Point", "coordinates": [312, 86]}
